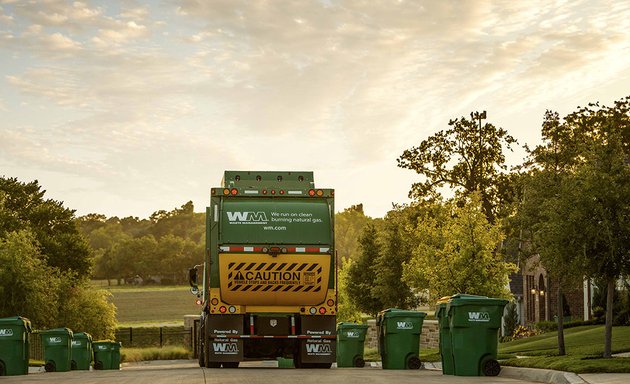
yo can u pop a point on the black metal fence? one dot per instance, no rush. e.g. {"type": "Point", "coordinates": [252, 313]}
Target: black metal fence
{"type": "Point", "coordinates": [134, 337]}
{"type": "Point", "coordinates": [140, 337]}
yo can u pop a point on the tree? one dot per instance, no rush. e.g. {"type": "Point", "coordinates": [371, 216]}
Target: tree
{"type": "Point", "coordinates": [467, 157]}
{"type": "Point", "coordinates": [601, 196]}
{"type": "Point", "coordinates": [578, 206]}
{"type": "Point", "coordinates": [346, 309]}
{"type": "Point", "coordinates": [395, 250]}
{"type": "Point", "coordinates": [53, 226]}
{"type": "Point", "coordinates": [361, 273]}
{"type": "Point", "coordinates": [27, 284]}
{"type": "Point", "coordinates": [457, 253]}
{"type": "Point", "coordinates": [545, 205]}
{"type": "Point", "coordinates": [348, 227]}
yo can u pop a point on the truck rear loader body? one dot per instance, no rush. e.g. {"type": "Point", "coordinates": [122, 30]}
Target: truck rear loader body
{"type": "Point", "coordinates": [269, 276]}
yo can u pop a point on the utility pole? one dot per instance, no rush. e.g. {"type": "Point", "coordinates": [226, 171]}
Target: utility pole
{"type": "Point", "coordinates": [480, 116]}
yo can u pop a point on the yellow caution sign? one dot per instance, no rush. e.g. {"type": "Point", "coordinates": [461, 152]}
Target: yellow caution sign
{"type": "Point", "coordinates": [261, 279]}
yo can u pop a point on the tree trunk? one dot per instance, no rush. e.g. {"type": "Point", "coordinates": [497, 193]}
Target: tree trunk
{"type": "Point", "coordinates": [610, 291]}
{"type": "Point", "coordinates": [560, 311]}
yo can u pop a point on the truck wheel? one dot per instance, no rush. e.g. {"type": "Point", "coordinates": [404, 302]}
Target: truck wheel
{"type": "Point", "coordinates": [202, 362]}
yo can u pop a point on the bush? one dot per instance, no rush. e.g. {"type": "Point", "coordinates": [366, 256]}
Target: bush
{"type": "Point", "coordinates": [510, 319]}
{"type": "Point", "coordinates": [522, 332]}
{"type": "Point", "coordinates": [146, 354]}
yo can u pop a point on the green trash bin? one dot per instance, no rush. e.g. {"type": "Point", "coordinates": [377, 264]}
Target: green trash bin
{"type": "Point", "coordinates": [350, 339]}
{"type": "Point", "coordinates": [103, 350]}
{"type": "Point", "coordinates": [57, 349]}
{"type": "Point", "coordinates": [81, 351]}
{"type": "Point", "coordinates": [115, 355]}
{"type": "Point", "coordinates": [399, 338]}
{"type": "Point", "coordinates": [474, 323]}
{"type": "Point", "coordinates": [14, 345]}
{"type": "Point", "coordinates": [446, 353]}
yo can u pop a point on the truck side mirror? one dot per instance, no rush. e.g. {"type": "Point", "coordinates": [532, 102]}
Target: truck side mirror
{"type": "Point", "coordinates": [192, 277]}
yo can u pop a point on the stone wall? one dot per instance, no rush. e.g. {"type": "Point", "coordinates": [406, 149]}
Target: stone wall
{"type": "Point", "coordinates": [428, 339]}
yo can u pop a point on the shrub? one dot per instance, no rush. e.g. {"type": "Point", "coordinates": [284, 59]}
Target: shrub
{"type": "Point", "coordinates": [146, 354]}
{"type": "Point", "coordinates": [522, 332]}
{"type": "Point", "coordinates": [510, 319]}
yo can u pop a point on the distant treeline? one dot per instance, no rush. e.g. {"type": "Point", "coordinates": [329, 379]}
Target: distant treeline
{"type": "Point", "coordinates": [159, 249]}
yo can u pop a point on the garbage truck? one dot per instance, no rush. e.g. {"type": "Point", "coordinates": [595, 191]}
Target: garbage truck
{"type": "Point", "coordinates": [268, 282]}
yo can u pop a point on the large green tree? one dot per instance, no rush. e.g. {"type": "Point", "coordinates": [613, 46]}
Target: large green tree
{"type": "Point", "coordinates": [577, 202]}
{"type": "Point", "coordinates": [395, 250]}
{"type": "Point", "coordinates": [456, 252]}
{"type": "Point", "coordinates": [348, 227]}
{"type": "Point", "coordinates": [467, 157]}
{"type": "Point", "coordinates": [362, 273]}
{"type": "Point", "coordinates": [53, 225]}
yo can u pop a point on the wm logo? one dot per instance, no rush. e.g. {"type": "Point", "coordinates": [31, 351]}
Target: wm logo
{"type": "Point", "coordinates": [479, 316]}
{"type": "Point", "coordinates": [6, 332]}
{"type": "Point", "coordinates": [318, 348]}
{"type": "Point", "coordinates": [249, 217]}
{"type": "Point", "coordinates": [404, 325]}
{"type": "Point", "coordinates": [230, 348]}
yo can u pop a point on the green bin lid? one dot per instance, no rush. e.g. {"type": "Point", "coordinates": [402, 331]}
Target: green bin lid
{"type": "Point", "coordinates": [462, 299]}
{"type": "Point", "coordinates": [395, 312]}
{"type": "Point", "coordinates": [17, 320]}
{"type": "Point", "coordinates": [82, 335]}
{"type": "Point", "coordinates": [57, 331]}
{"type": "Point", "coordinates": [346, 325]}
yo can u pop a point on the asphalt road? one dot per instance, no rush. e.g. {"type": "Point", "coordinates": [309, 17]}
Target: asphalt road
{"type": "Point", "coordinates": [188, 372]}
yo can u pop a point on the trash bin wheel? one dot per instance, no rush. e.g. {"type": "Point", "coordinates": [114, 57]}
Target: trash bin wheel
{"type": "Point", "coordinates": [414, 363]}
{"type": "Point", "coordinates": [214, 364]}
{"type": "Point", "coordinates": [359, 362]}
{"type": "Point", "coordinates": [491, 367]}
{"type": "Point", "coordinates": [231, 364]}
{"type": "Point", "coordinates": [2, 372]}
{"type": "Point", "coordinates": [50, 367]}
{"type": "Point", "coordinates": [98, 365]}
{"type": "Point", "coordinates": [73, 365]}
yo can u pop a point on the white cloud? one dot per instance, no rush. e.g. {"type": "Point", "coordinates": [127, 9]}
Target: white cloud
{"type": "Point", "coordinates": [311, 85]}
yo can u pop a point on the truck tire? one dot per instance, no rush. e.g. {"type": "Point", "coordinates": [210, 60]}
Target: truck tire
{"type": "Point", "coordinates": [201, 355]}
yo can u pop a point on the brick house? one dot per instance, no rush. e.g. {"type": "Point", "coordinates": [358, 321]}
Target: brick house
{"type": "Point", "coordinates": [536, 295]}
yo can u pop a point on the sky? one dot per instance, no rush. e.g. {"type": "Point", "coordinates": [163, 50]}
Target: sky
{"type": "Point", "coordinates": [125, 108]}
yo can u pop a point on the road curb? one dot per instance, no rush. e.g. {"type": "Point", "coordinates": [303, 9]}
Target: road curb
{"type": "Point", "coordinates": [542, 375]}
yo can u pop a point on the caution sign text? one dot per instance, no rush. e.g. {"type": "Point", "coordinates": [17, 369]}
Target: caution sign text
{"type": "Point", "coordinates": [274, 276]}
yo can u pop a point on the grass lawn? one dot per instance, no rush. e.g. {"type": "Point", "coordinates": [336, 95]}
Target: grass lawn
{"type": "Point", "coordinates": [149, 305]}
{"type": "Point", "coordinates": [584, 346]}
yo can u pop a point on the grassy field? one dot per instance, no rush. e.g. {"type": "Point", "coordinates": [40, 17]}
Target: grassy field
{"type": "Point", "coordinates": [584, 347]}
{"type": "Point", "coordinates": [152, 305]}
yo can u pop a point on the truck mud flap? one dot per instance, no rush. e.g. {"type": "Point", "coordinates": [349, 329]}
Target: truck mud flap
{"type": "Point", "coordinates": [223, 348]}
{"type": "Point", "coordinates": [318, 350]}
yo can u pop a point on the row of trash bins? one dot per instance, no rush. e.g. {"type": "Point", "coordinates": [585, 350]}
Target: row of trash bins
{"type": "Point", "coordinates": [468, 331]}
{"type": "Point", "coordinates": [63, 349]}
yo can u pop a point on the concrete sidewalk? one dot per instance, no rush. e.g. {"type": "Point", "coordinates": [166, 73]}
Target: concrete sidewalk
{"type": "Point", "coordinates": [554, 377]}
